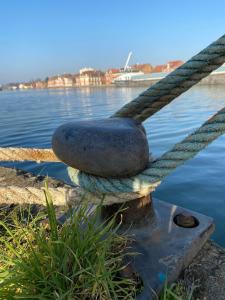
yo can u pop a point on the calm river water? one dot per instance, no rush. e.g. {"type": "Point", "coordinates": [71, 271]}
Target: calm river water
{"type": "Point", "coordinates": [28, 119]}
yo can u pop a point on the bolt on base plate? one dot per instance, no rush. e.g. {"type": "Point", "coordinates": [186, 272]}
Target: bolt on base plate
{"type": "Point", "coordinates": [164, 248]}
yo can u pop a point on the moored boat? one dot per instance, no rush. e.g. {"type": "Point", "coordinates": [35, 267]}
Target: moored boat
{"type": "Point", "coordinates": [141, 79]}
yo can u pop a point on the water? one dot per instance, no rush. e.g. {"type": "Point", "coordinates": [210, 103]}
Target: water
{"type": "Point", "coordinates": [29, 118]}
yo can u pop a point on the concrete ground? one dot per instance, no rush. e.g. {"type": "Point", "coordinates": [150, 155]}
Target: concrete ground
{"type": "Point", "coordinates": [207, 272]}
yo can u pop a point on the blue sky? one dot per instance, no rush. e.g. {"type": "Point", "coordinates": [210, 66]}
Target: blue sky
{"type": "Point", "coordinates": [44, 37]}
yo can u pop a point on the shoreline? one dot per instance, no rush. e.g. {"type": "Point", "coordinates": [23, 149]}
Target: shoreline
{"type": "Point", "coordinates": [126, 85]}
{"type": "Point", "coordinates": [210, 80]}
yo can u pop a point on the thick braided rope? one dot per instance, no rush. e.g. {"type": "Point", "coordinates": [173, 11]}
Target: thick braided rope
{"type": "Point", "coordinates": [176, 83]}
{"type": "Point", "coordinates": [21, 154]}
{"type": "Point", "coordinates": [151, 177]}
{"type": "Point", "coordinates": [21, 187]}
{"type": "Point", "coordinates": [32, 195]}
{"type": "Point", "coordinates": [61, 196]}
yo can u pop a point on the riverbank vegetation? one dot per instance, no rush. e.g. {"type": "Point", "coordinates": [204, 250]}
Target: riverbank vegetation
{"type": "Point", "coordinates": [81, 259]}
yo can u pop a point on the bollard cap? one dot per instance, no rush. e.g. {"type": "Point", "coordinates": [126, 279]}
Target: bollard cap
{"type": "Point", "coordinates": [113, 147]}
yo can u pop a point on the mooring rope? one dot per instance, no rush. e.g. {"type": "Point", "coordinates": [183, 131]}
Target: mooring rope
{"type": "Point", "coordinates": [60, 196]}
{"type": "Point", "coordinates": [176, 83]}
{"type": "Point", "coordinates": [151, 177]}
{"type": "Point", "coordinates": [32, 195]}
{"type": "Point", "coordinates": [32, 154]}
{"type": "Point", "coordinates": [20, 187]}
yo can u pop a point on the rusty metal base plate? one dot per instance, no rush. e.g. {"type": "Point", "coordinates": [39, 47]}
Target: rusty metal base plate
{"type": "Point", "coordinates": [164, 248]}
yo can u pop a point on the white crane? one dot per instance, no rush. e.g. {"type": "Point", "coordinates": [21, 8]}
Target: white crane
{"type": "Point", "coordinates": [126, 67]}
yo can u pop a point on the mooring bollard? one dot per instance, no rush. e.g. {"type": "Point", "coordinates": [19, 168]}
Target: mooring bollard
{"type": "Point", "coordinates": [114, 147]}
{"type": "Point", "coordinates": [167, 237]}
{"type": "Point", "coordinates": [132, 213]}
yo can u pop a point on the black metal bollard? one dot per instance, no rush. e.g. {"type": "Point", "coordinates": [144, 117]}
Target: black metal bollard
{"type": "Point", "coordinates": [136, 212]}
{"type": "Point", "coordinates": [113, 147]}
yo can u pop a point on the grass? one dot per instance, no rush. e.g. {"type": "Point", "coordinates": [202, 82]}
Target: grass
{"type": "Point", "coordinates": [82, 259]}
{"type": "Point", "coordinates": [177, 291]}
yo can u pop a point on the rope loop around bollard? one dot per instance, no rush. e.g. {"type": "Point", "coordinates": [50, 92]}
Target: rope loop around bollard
{"type": "Point", "coordinates": [150, 178]}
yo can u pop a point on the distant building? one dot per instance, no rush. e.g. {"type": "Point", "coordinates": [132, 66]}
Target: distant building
{"type": "Point", "coordinates": [145, 68]}
{"type": "Point", "coordinates": [55, 82]}
{"type": "Point", "coordinates": [174, 64]}
{"type": "Point", "coordinates": [13, 87]}
{"type": "Point", "coordinates": [21, 86]}
{"type": "Point", "coordinates": [84, 70]}
{"type": "Point", "coordinates": [90, 78]}
{"type": "Point", "coordinates": [111, 75]}
{"type": "Point", "coordinates": [39, 84]}
{"type": "Point", "coordinates": [25, 86]}
{"type": "Point", "coordinates": [169, 67]}
{"type": "Point", "coordinates": [60, 81]}
{"type": "Point", "coordinates": [160, 68]}
{"type": "Point", "coordinates": [10, 86]}
{"type": "Point", "coordinates": [68, 80]}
